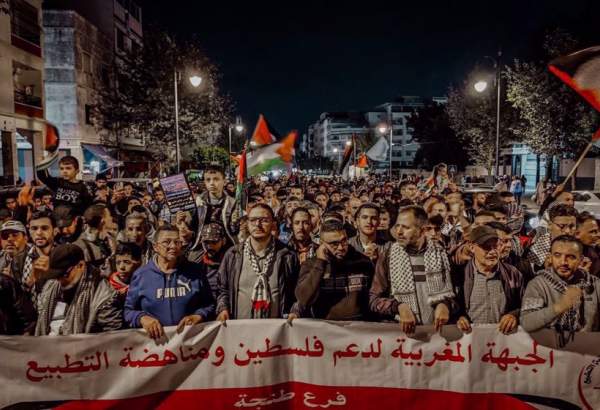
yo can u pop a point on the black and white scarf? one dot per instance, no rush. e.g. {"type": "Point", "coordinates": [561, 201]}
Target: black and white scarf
{"type": "Point", "coordinates": [437, 273]}
{"type": "Point", "coordinates": [261, 292]}
{"type": "Point", "coordinates": [540, 249]}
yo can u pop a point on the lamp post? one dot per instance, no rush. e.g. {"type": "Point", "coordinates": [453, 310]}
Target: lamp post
{"type": "Point", "coordinates": [383, 129]}
{"type": "Point", "coordinates": [239, 128]}
{"type": "Point", "coordinates": [195, 81]}
{"type": "Point", "coordinates": [480, 86]}
{"type": "Point", "coordinates": [337, 151]}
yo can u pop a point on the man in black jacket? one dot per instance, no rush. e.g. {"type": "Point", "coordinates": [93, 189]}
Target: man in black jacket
{"type": "Point", "coordinates": [335, 284]}
{"type": "Point", "coordinates": [257, 278]}
{"type": "Point", "coordinates": [17, 314]}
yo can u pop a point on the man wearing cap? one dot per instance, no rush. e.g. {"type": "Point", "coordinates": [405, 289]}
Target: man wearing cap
{"type": "Point", "coordinates": [211, 255]}
{"type": "Point", "coordinates": [488, 291]}
{"type": "Point", "coordinates": [13, 238]}
{"type": "Point", "coordinates": [75, 298]}
{"type": "Point", "coordinates": [69, 224]}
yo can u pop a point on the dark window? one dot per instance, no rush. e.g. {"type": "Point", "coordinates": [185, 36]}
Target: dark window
{"type": "Point", "coordinates": [134, 11]}
{"type": "Point", "coordinates": [24, 21]}
{"type": "Point", "coordinates": [88, 114]}
{"type": "Point", "coordinates": [120, 40]}
{"type": "Point", "coordinates": [105, 75]}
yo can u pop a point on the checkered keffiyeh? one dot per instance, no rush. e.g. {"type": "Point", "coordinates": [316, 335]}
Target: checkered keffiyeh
{"type": "Point", "coordinates": [261, 292]}
{"type": "Point", "coordinates": [540, 249]}
{"type": "Point", "coordinates": [437, 273]}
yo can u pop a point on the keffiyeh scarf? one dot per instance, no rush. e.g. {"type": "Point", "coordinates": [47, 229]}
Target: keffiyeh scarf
{"type": "Point", "coordinates": [437, 273]}
{"type": "Point", "coordinates": [261, 292]}
{"type": "Point", "coordinates": [540, 249]}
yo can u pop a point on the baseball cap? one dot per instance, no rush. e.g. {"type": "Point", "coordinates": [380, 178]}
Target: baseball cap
{"type": "Point", "coordinates": [64, 215]}
{"type": "Point", "coordinates": [15, 226]}
{"type": "Point", "coordinates": [63, 258]}
{"type": "Point", "coordinates": [482, 234]}
{"type": "Point", "coordinates": [212, 232]}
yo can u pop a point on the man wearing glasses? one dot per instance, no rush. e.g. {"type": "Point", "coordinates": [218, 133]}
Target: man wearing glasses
{"type": "Point", "coordinates": [334, 285]}
{"type": "Point", "coordinates": [75, 298]}
{"type": "Point", "coordinates": [169, 290]}
{"type": "Point", "coordinates": [488, 291]}
{"type": "Point", "coordinates": [257, 277]}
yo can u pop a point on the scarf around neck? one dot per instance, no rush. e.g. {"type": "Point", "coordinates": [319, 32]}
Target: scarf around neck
{"type": "Point", "coordinates": [261, 291]}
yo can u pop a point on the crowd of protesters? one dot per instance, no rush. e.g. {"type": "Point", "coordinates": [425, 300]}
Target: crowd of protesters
{"type": "Point", "coordinates": [85, 259]}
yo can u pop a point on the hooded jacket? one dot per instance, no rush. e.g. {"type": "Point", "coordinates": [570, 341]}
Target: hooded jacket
{"type": "Point", "coordinates": [169, 297]}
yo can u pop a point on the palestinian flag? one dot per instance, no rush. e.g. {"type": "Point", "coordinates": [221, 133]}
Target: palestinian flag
{"type": "Point", "coordinates": [263, 134]}
{"type": "Point", "coordinates": [51, 143]}
{"type": "Point", "coordinates": [277, 155]}
{"type": "Point", "coordinates": [581, 71]}
{"type": "Point", "coordinates": [347, 154]}
{"type": "Point", "coordinates": [241, 181]}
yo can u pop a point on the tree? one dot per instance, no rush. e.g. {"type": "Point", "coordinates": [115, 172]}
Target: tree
{"type": "Point", "coordinates": [142, 101]}
{"type": "Point", "coordinates": [438, 141]}
{"type": "Point", "coordinates": [472, 117]}
{"type": "Point", "coordinates": [555, 120]}
{"type": "Point", "coordinates": [212, 155]}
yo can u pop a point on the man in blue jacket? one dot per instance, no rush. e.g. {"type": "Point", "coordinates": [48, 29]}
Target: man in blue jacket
{"type": "Point", "coordinates": [168, 290]}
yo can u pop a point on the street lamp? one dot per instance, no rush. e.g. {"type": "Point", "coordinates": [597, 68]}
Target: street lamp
{"type": "Point", "coordinates": [195, 80]}
{"type": "Point", "coordinates": [480, 86]}
{"type": "Point", "coordinates": [239, 128]}
{"type": "Point", "coordinates": [383, 129]}
{"type": "Point", "coordinates": [337, 151]}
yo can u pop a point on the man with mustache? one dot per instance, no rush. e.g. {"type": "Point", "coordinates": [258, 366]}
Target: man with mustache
{"type": "Point", "coordinates": [257, 277]}
{"type": "Point", "coordinates": [564, 296]}
{"type": "Point", "coordinates": [412, 278]}
{"type": "Point", "coordinates": [488, 291]}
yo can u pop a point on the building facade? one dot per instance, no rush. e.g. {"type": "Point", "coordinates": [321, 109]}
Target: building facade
{"type": "Point", "coordinates": [328, 136]}
{"type": "Point", "coordinates": [22, 121]}
{"type": "Point", "coordinates": [84, 40]}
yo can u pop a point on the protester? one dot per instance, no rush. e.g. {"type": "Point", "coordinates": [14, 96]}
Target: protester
{"type": "Point", "coordinates": [42, 230]}
{"type": "Point", "coordinates": [488, 291]}
{"type": "Point", "coordinates": [588, 232]}
{"type": "Point", "coordinates": [169, 290]}
{"type": "Point", "coordinates": [366, 241]}
{"type": "Point", "coordinates": [13, 238]}
{"type": "Point", "coordinates": [213, 250]}
{"type": "Point", "coordinates": [257, 277]}
{"type": "Point", "coordinates": [334, 284]}
{"type": "Point", "coordinates": [563, 296]}
{"type": "Point", "coordinates": [75, 298]}
{"type": "Point", "coordinates": [302, 229]}
{"type": "Point", "coordinates": [128, 258]}
{"type": "Point", "coordinates": [412, 278]}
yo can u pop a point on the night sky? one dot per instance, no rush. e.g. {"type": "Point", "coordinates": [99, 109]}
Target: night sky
{"type": "Point", "coordinates": [293, 60]}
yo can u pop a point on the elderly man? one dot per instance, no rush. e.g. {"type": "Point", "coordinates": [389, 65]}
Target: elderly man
{"type": "Point", "coordinates": [257, 278]}
{"type": "Point", "coordinates": [563, 296]}
{"type": "Point", "coordinates": [334, 285]}
{"type": "Point", "coordinates": [13, 238]}
{"type": "Point", "coordinates": [412, 278]}
{"type": "Point", "coordinates": [488, 291]}
{"type": "Point", "coordinates": [169, 290]}
{"type": "Point", "coordinates": [75, 298]}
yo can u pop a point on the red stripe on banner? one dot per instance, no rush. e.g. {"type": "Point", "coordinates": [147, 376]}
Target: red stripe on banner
{"type": "Point", "coordinates": [590, 96]}
{"type": "Point", "coordinates": [295, 395]}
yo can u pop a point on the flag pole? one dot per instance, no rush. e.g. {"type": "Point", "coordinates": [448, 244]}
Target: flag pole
{"type": "Point", "coordinates": [581, 157]}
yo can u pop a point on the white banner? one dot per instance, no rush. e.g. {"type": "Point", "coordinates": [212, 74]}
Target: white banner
{"type": "Point", "coordinates": [311, 364]}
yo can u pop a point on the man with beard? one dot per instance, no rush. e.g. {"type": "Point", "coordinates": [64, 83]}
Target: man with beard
{"type": "Point", "coordinates": [488, 291]}
{"type": "Point", "coordinates": [563, 221]}
{"type": "Point", "coordinates": [13, 237]}
{"type": "Point", "coordinates": [75, 298]}
{"type": "Point", "coordinates": [479, 200]}
{"type": "Point", "coordinates": [169, 290]}
{"type": "Point", "coordinates": [412, 278]}
{"type": "Point", "coordinates": [42, 230]}
{"type": "Point", "coordinates": [97, 240]}
{"type": "Point", "coordinates": [322, 199]}
{"type": "Point", "coordinates": [408, 191]}
{"type": "Point", "coordinates": [257, 278]}
{"type": "Point", "coordinates": [68, 223]}
{"type": "Point", "coordinates": [588, 233]}
{"type": "Point", "coordinates": [366, 241]}
{"type": "Point", "coordinates": [563, 296]}
{"type": "Point", "coordinates": [301, 240]}
{"type": "Point", "coordinates": [213, 246]}
{"type": "Point", "coordinates": [215, 205]}
{"type": "Point", "coordinates": [507, 252]}
{"type": "Point", "coordinates": [334, 285]}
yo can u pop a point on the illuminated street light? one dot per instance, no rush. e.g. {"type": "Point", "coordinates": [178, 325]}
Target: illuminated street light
{"type": "Point", "coordinates": [348, 143]}
{"type": "Point", "coordinates": [480, 86]}
{"type": "Point", "coordinates": [382, 129]}
{"type": "Point", "coordinates": [195, 80]}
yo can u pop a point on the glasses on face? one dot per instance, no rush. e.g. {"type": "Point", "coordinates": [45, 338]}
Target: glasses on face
{"type": "Point", "coordinates": [168, 242]}
{"type": "Point", "coordinates": [261, 221]}
{"type": "Point", "coordinates": [338, 244]}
